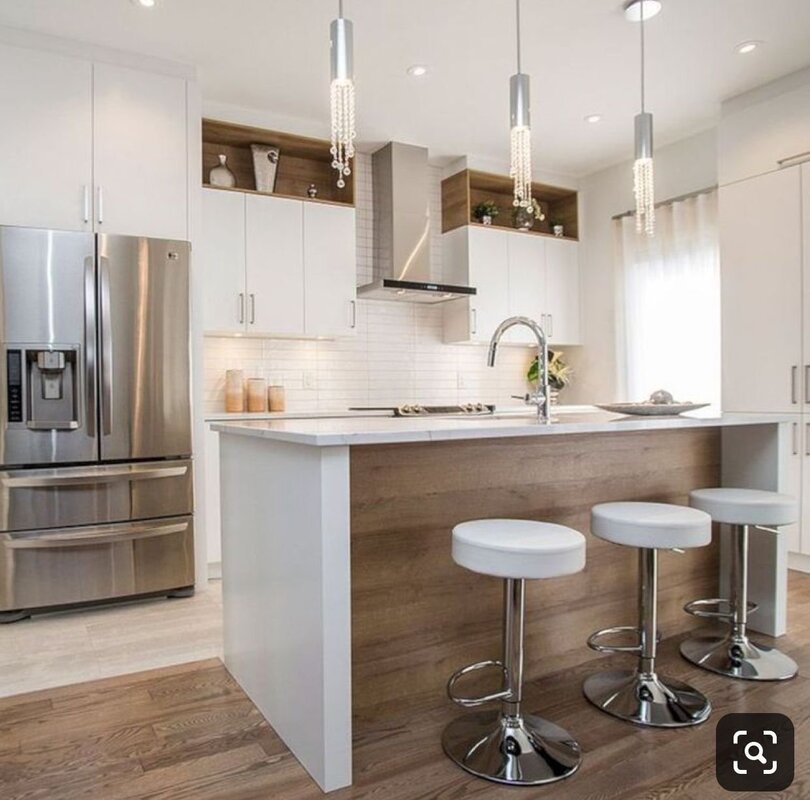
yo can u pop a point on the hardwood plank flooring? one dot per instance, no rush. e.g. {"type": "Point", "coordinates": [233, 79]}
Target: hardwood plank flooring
{"type": "Point", "coordinates": [189, 733]}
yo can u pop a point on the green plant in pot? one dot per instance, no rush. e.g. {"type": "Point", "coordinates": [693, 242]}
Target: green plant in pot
{"type": "Point", "coordinates": [560, 373]}
{"type": "Point", "coordinates": [486, 211]}
{"type": "Point", "coordinates": [524, 217]}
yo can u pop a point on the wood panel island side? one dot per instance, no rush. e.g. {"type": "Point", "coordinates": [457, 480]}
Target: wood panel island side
{"type": "Point", "coordinates": [342, 604]}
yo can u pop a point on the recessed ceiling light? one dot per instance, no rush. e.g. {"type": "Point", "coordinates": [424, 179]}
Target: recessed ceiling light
{"type": "Point", "coordinates": [747, 47]}
{"type": "Point", "coordinates": [417, 70]}
{"type": "Point", "coordinates": [145, 3]}
{"type": "Point", "coordinates": [593, 118]}
{"type": "Point", "coordinates": [633, 9]}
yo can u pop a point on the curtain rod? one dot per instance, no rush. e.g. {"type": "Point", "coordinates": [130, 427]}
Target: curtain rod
{"type": "Point", "coordinates": [671, 200]}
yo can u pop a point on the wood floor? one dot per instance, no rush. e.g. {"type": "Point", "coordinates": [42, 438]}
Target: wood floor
{"type": "Point", "coordinates": [189, 733]}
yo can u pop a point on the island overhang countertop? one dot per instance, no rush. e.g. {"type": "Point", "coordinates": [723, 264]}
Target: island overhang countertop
{"type": "Point", "coordinates": [389, 430]}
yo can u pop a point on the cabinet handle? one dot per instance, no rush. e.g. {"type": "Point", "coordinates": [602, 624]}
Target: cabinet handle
{"type": "Point", "coordinates": [252, 309]}
{"type": "Point", "coordinates": [551, 325]}
{"type": "Point", "coordinates": [794, 373]}
{"type": "Point", "coordinates": [795, 438]}
{"type": "Point", "coordinates": [474, 316]}
{"type": "Point", "coordinates": [100, 206]}
{"type": "Point", "coordinates": [353, 304]}
{"type": "Point", "coordinates": [241, 305]}
{"type": "Point", "coordinates": [86, 203]}
{"type": "Point", "coordinates": [807, 383]}
{"type": "Point", "coordinates": [806, 438]}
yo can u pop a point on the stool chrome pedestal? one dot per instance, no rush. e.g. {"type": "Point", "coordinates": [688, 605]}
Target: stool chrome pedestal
{"type": "Point", "coordinates": [732, 653]}
{"type": "Point", "coordinates": [509, 746]}
{"type": "Point", "coordinates": [642, 696]}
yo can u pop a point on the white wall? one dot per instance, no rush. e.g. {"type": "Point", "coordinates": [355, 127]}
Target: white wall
{"type": "Point", "coordinates": [680, 168]}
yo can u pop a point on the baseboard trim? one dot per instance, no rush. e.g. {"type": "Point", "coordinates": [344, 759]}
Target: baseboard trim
{"type": "Point", "coordinates": [799, 561]}
{"type": "Point", "coordinates": [215, 570]}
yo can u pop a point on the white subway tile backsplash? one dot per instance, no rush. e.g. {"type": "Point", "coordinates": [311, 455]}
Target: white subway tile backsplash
{"type": "Point", "coordinates": [397, 355]}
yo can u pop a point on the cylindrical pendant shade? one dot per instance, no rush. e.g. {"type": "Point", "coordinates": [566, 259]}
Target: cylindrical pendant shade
{"type": "Point", "coordinates": [341, 35]}
{"type": "Point", "coordinates": [644, 135]}
{"type": "Point", "coordinates": [519, 105]}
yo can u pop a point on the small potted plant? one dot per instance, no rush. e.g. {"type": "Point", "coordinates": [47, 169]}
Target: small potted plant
{"type": "Point", "coordinates": [560, 373]}
{"type": "Point", "coordinates": [486, 211]}
{"type": "Point", "coordinates": [524, 217]}
{"type": "Point", "coordinates": [558, 228]}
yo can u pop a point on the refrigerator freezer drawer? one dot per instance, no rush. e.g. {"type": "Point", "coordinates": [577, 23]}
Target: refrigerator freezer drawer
{"type": "Point", "coordinates": [32, 499]}
{"type": "Point", "coordinates": [41, 569]}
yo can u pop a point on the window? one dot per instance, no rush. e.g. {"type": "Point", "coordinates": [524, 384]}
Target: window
{"type": "Point", "coordinates": [669, 298]}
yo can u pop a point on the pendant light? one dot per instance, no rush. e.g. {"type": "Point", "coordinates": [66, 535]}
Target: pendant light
{"type": "Point", "coordinates": [342, 95]}
{"type": "Point", "coordinates": [643, 170]}
{"type": "Point", "coordinates": [521, 135]}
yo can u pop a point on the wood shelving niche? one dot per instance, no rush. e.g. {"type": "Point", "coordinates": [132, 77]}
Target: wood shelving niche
{"type": "Point", "coordinates": [302, 162]}
{"type": "Point", "coordinates": [464, 190]}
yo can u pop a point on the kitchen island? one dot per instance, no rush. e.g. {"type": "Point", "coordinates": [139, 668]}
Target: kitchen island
{"type": "Point", "coordinates": [342, 604]}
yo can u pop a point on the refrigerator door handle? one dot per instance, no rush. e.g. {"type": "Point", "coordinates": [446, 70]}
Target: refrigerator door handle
{"type": "Point", "coordinates": [90, 345]}
{"type": "Point", "coordinates": [99, 536]}
{"type": "Point", "coordinates": [106, 348]}
{"type": "Point", "coordinates": [91, 477]}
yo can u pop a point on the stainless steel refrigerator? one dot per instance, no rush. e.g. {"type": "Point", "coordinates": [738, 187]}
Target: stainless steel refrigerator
{"type": "Point", "coordinates": [95, 446]}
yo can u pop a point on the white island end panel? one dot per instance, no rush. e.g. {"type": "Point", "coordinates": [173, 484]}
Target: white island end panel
{"type": "Point", "coordinates": [286, 594]}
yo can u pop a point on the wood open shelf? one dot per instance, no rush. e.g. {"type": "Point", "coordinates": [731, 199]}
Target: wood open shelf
{"type": "Point", "coordinates": [464, 190]}
{"type": "Point", "coordinates": [302, 161]}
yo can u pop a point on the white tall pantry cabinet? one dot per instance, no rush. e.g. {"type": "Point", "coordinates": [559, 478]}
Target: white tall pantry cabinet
{"type": "Point", "coordinates": [765, 264]}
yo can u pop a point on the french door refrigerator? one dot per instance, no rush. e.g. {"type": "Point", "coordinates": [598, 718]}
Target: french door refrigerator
{"type": "Point", "coordinates": [95, 444]}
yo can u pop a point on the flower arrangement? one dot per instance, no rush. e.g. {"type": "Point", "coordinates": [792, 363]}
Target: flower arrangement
{"type": "Point", "coordinates": [560, 373]}
{"type": "Point", "coordinates": [525, 218]}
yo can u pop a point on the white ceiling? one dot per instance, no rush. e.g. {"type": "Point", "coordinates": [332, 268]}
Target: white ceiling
{"type": "Point", "coordinates": [581, 54]}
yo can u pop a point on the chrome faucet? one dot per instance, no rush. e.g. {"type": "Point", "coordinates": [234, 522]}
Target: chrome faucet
{"type": "Point", "coordinates": [541, 396]}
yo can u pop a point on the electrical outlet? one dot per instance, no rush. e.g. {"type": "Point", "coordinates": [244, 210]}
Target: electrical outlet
{"type": "Point", "coordinates": [310, 380]}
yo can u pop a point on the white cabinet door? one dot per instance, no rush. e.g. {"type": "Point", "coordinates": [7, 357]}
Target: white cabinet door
{"type": "Point", "coordinates": [220, 256]}
{"type": "Point", "coordinates": [140, 151]}
{"type": "Point", "coordinates": [805, 206]}
{"type": "Point", "coordinates": [330, 270]}
{"type": "Point", "coordinates": [489, 275]}
{"type": "Point", "coordinates": [275, 266]}
{"type": "Point", "coordinates": [527, 283]}
{"type": "Point", "coordinates": [562, 310]}
{"type": "Point", "coordinates": [46, 140]}
{"type": "Point", "coordinates": [213, 517]}
{"type": "Point", "coordinates": [761, 278]}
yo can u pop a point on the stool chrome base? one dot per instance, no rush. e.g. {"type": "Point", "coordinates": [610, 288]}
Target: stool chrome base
{"type": "Point", "coordinates": [739, 657]}
{"type": "Point", "coordinates": [647, 699]}
{"type": "Point", "coordinates": [519, 751]}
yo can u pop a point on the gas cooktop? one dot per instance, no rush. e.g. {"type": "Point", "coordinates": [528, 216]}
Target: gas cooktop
{"type": "Point", "coordinates": [416, 410]}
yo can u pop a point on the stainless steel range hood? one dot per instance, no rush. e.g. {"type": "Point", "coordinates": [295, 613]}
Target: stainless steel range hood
{"type": "Point", "coordinates": [402, 269]}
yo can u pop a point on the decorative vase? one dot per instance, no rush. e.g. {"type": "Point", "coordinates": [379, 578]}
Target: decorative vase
{"type": "Point", "coordinates": [524, 218]}
{"type": "Point", "coordinates": [256, 394]}
{"type": "Point", "coordinates": [277, 399]}
{"type": "Point", "coordinates": [265, 166]}
{"type": "Point", "coordinates": [234, 391]}
{"type": "Point", "coordinates": [486, 219]}
{"type": "Point", "coordinates": [221, 175]}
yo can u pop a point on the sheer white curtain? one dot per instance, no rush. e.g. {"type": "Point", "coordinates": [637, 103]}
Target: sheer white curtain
{"type": "Point", "coordinates": [669, 298]}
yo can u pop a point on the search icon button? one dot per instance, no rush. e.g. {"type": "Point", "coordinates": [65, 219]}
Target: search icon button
{"type": "Point", "coordinates": [755, 747]}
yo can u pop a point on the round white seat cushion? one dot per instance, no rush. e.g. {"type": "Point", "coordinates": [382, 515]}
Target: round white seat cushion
{"type": "Point", "coordinates": [517, 548]}
{"type": "Point", "coordinates": [746, 506]}
{"type": "Point", "coordinates": [651, 525]}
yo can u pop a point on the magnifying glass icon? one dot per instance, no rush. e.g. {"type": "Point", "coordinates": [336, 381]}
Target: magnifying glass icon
{"type": "Point", "coordinates": [754, 751]}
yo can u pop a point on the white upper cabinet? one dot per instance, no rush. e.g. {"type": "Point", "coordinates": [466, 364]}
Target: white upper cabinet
{"type": "Point", "coordinates": [220, 255]}
{"type": "Point", "coordinates": [46, 155]}
{"type": "Point", "coordinates": [275, 265]}
{"type": "Point", "coordinates": [805, 206]}
{"type": "Point", "coordinates": [761, 271]}
{"type": "Point", "coordinates": [330, 270]}
{"type": "Point", "coordinates": [562, 321]}
{"type": "Point", "coordinates": [476, 257]}
{"type": "Point", "coordinates": [140, 146]}
{"type": "Point", "coordinates": [515, 274]}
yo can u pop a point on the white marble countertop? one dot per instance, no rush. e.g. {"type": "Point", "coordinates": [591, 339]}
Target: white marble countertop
{"type": "Point", "coordinates": [389, 430]}
{"type": "Point", "coordinates": [223, 416]}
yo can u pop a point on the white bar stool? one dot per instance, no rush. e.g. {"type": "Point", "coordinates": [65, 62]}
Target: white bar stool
{"type": "Point", "coordinates": [508, 746]}
{"type": "Point", "coordinates": [734, 654]}
{"type": "Point", "coordinates": [641, 695]}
